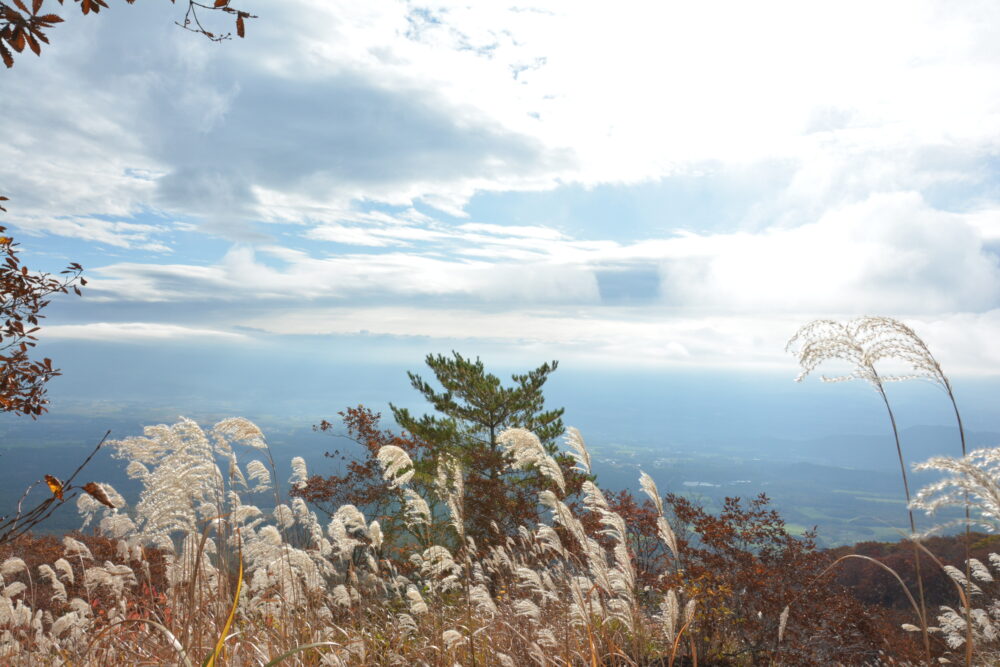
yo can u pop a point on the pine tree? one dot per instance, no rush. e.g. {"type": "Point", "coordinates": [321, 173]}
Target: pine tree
{"type": "Point", "coordinates": [473, 410]}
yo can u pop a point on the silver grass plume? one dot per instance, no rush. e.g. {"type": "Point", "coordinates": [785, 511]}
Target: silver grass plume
{"type": "Point", "coordinates": [299, 473]}
{"type": "Point", "coordinates": [397, 468]}
{"type": "Point", "coordinates": [665, 532]}
{"type": "Point", "coordinates": [437, 561]}
{"type": "Point", "coordinates": [976, 474]}
{"type": "Point", "coordinates": [549, 539]}
{"type": "Point", "coordinates": [593, 497]}
{"type": "Point", "coordinates": [240, 430]}
{"type": "Point", "coordinates": [406, 623]}
{"type": "Point", "coordinates": [959, 577]}
{"type": "Point", "coordinates": [670, 612]}
{"type": "Point", "coordinates": [979, 571]}
{"type": "Point", "coordinates": [887, 338]}
{"type": "Point", "coordinates": [562, 514]}
{"type": "Point", "coordinates": [258, 472]}
{"type": "Point", "coordinates": [578, 449]}
{"type": "Point", "coordinates": [416, 601]}
{"type": "Point", "coordinates": [782, 622]}
{"type": "Point", "coordinates": [825, 340]}
{"type": "Point", "coordinates": [689, 609]}
{"type": "Point", "coordinates": [354, 521]}
{"type": "Point", "coordinates": [284, 516]}
{"type": "Point", "coordinates": [527, 608]}
{"type": "Point", "coordinates": [14, 589]}
{"type": "Point", "coordinates": [375, 532]}
{"type": "Point", "coordinates": [451, 638]}
{"type": "Point", "coordinates": [64, 569]}
{"type": "Point", "coordinates": [529, 579]}
{"type": "Point", "coordinates": [416, 510]}
{"type": "Point", "coordinates": [546, 638]}
{"type": "Point", "coordinates": [181, 489]}
{"type": "Point", "coordinates": [14, 565]}
{"type": "Point", "coordinates": [526, 450]}
{"type": "Point", "coordinates": [74, 547]}
{"type": "Point", "coordinates": [479, 595]}
{"type": "Point", "coordinates": [450, 482]}
{"type": "Point", "coordinates": [47, 574]}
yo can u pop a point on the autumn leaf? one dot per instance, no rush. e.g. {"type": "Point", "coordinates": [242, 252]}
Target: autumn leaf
{"type": "Point", "coordinates": [96, 491]}
{"type": "Point", "coordinates": [55, 486]}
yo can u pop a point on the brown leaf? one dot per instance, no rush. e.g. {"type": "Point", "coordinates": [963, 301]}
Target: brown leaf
{"type": "Point", "coordinates": [55, 486]}
{"type": "Point", "coordinates": [35, 6]}
{"type": "Point", "coordinates": [221, 3]}
{"type": "Point", "coordinates": [239, 26]}
{"type": "Point", "coordinates": [96, 491]}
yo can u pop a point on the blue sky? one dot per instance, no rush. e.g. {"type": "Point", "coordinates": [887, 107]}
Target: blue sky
{"type": "Point", "coordinates": [649, 186]}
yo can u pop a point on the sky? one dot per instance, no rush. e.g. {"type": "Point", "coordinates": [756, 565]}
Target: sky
{"type": "Point", "coordinates": [648, 186]}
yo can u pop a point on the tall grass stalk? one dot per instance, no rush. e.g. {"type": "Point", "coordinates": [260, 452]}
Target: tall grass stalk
{"type": "Point", "coordinates": [821, 341]}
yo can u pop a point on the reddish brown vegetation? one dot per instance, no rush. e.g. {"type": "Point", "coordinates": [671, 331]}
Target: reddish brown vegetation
{"type": "Point", "coordinates": [25, 294]}
{"type": "Point", "coordinates": [145, 601]}
{"type": "Point", "coordinates": [871, 585]}
{"type": "Point", "coordinates": [743, 568]}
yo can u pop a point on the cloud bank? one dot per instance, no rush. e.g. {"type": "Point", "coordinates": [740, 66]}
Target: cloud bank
{"type": "Point", "coordinates": [333, 172]}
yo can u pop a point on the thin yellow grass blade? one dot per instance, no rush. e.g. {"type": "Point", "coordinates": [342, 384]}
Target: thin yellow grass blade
{"type": "Point", "coordinates": [232, 613]}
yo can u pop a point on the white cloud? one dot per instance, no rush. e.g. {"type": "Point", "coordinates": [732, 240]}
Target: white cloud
{"type": "Point", "coordinates": [531, 232]}
{"type": "Point", "coordinates": [335, 121]}
{"type": "Point", "coordinates": [891, 253]}
{"type": "Point", "coordinates": [328, 103]}
{"type": "Point", "coordinates": [135, 332]}
{"type": "Point", "coordinates": [108, 232]}
{"type": "Point", "coordinates": [635, 336]}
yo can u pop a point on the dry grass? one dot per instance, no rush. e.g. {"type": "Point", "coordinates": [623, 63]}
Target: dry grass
{"type": "Point", "coordinates": [160, 586]}
{"type": "Point", "coordinates": [196, 573]}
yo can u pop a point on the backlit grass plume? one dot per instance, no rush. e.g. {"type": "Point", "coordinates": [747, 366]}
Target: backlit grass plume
{"type": "Point", "coordinates": [863, 343]}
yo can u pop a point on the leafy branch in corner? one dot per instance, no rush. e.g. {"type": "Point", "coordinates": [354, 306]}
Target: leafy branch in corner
{"type": "Point", "coordinates": [23, 27]}
{"type": "Point", "coordinates": [23, 295]}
